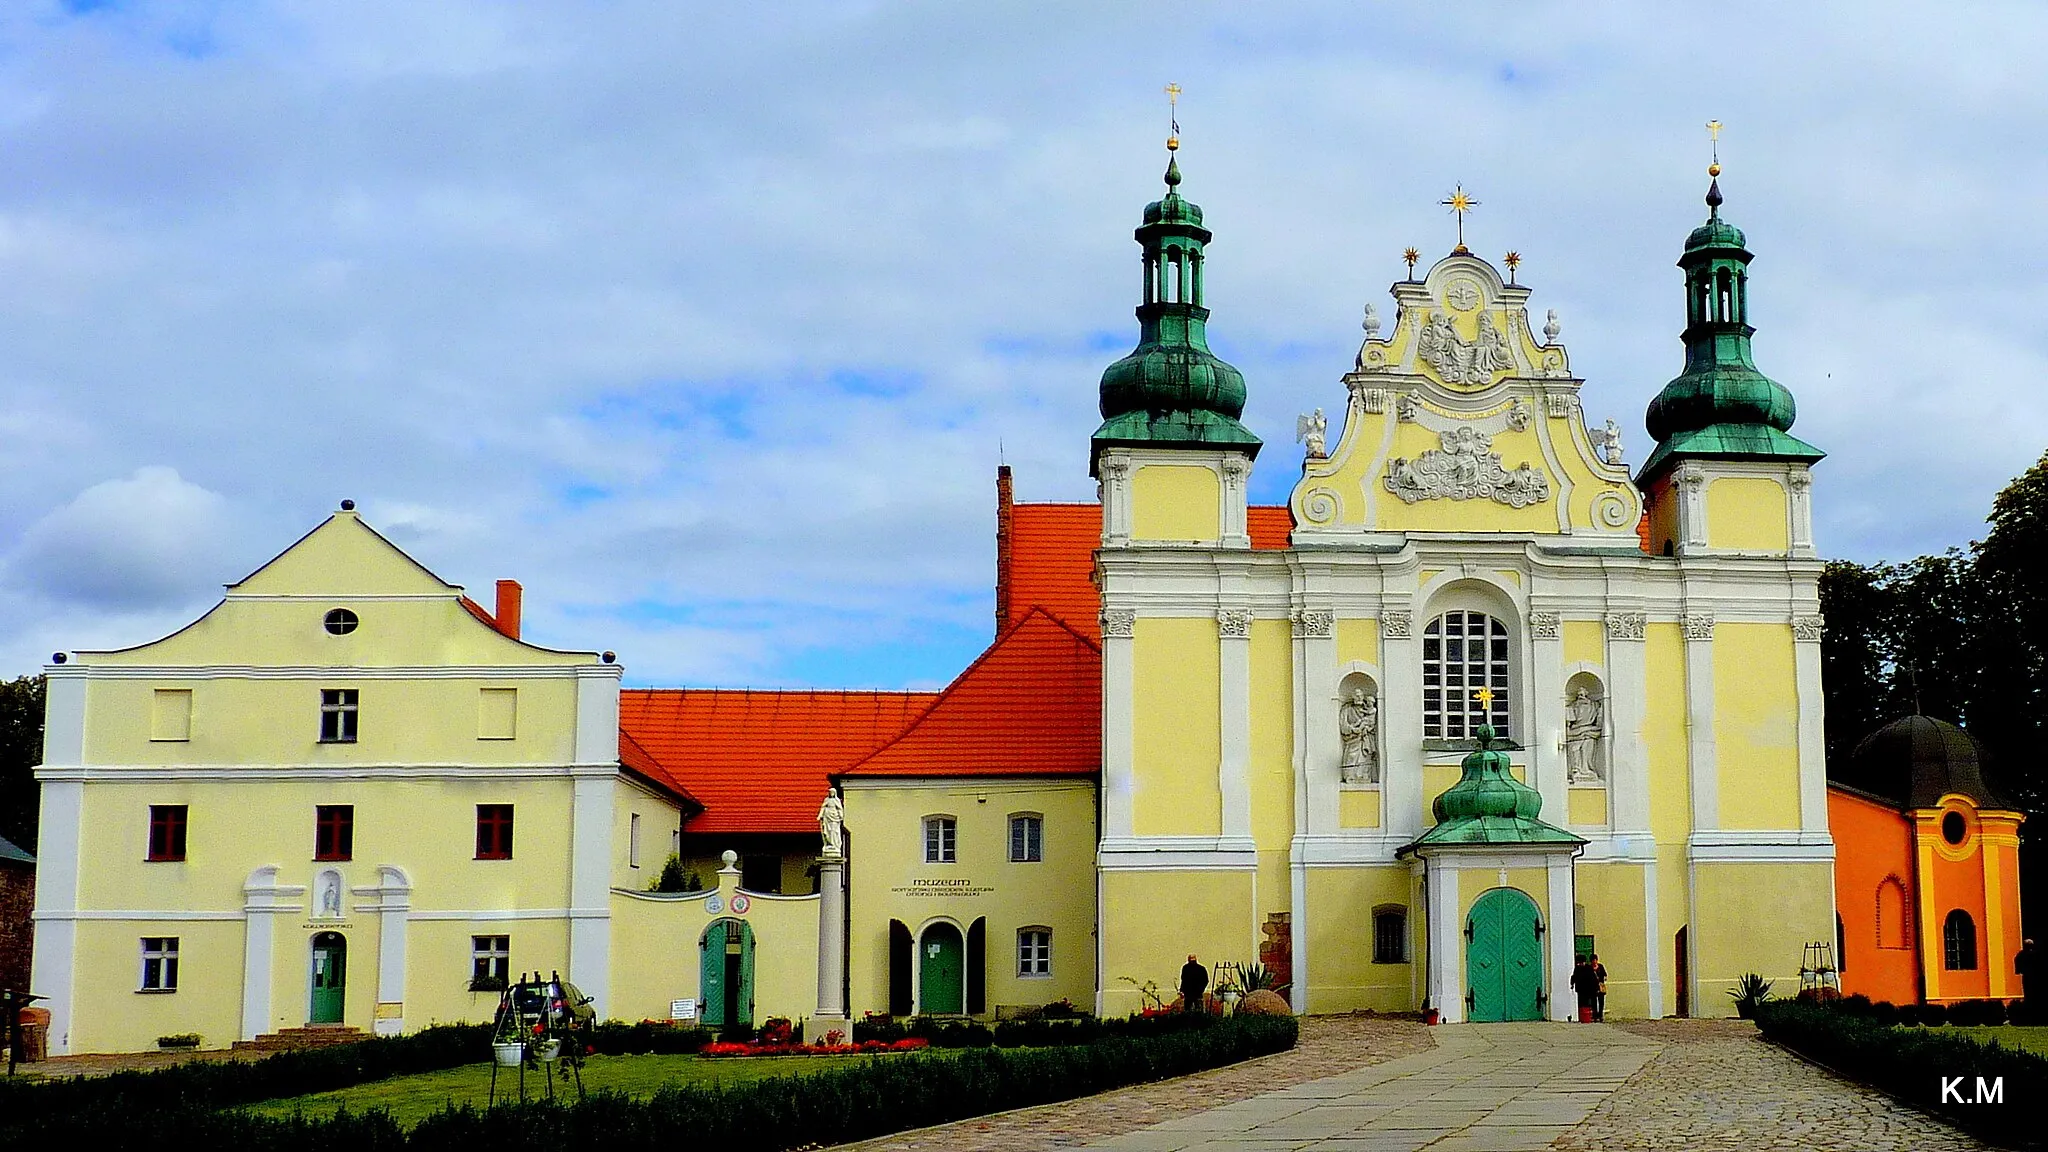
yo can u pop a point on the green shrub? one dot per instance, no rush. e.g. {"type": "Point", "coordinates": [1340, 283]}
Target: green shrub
{"type": "Point", "coordinates": [1909, 1014]}
{"type": "Point", "coordinates": [1884, 1013]}
{"type": "Point", "coordinates": [616, 1038]}
{"type": "Point", "coordinates": [1912, 1064]}
{"type": "Point", "coordinates": [1934, 1015]}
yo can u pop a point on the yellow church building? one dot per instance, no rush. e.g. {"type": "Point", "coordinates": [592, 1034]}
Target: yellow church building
{"type": "Point", "coordinates": [1477, 699]}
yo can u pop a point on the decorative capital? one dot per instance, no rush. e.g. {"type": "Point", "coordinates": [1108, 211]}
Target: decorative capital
{"type": "Point", "coordinates": [1311, 622]}
{"type": "Point", "coordinates": [1699, 625]}
{"type": "Point", "coordinates": [1800, 480]}
{"type": "Point", "coordinates": [1558, 404]}
{"type": "Point", "coordinates": [1408, 407]}
{"type": "Point", "coordinates": [1235, 469]}
{"type": "Point", "coordinates": [1692, 478]}
{"type": "Point", "coordinates": [1396, 625]}
{"type": "Point", "coordinates": [1626, 625]}
{"type": "Point", "coordinates": [1118, 622]}
{"type": "Point", "coordinates": [1544, 625]}
{"type": "Point", "coordinates": [1113, 467]}
{"type": "Point", "coordinates": [1808, 628]}
{"type": "Point", "coordinates": [1372, 400]}
{"type": "Point", "coordinates": [1234, 623]}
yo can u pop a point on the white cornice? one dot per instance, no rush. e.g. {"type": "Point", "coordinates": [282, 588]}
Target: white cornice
{"type": "Point", "coordinates": [343, 672]}
{"type": "Point", "coordinates": [151, 773]}
{"type": "Point", "coordinates": [1177, 854]}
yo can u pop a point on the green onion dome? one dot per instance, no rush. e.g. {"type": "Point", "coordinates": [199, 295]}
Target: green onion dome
{"type": "Point", "coordinates": [1487, 788]}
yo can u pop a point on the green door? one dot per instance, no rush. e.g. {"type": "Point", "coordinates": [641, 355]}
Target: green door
{"type": "Point", "coordinates": [1503, 958]}
{"type": "Point", "coordinates": [330, 977]}
{"type": "Point", "coordinates": [725, 974]}
{"type": "Point", "coordinates": [941, 966]}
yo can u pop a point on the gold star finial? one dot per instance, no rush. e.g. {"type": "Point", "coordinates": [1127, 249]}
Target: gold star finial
{"type": "Point", "coordinates": [1173, 117]}
{"type": "Point", "coordinates": [1714, 143]}
{"type": "Point", "coordinates": [1513, 260]}
{"type": "Point", "coordinates": [1460, 202]}
{"type": "Point", "coordinates": [1485, 698]}
{"type": "Point", "coordinates": [1411, 255]}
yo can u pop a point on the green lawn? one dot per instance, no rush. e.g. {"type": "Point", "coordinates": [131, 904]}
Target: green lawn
{"type": "Point", "coordinates": [2033, 1039]}
{"type": "Point", "coordinates": [411, 1099]}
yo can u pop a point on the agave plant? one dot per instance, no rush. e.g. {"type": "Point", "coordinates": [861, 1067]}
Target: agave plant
{"type": "Point", "coordinates": [1256, 976]}
{"type": "Point", "coordinates": [1749, 992]}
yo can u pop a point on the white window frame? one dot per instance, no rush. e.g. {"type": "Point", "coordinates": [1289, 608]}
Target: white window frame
{"type": "Point", "coordinates": [345, 705]}
{"type": "Point", "coordinates": [1034, 953]}
{"type": "Point", "coordinates": [941, 840]}
{"type": "Point", "coordinates": [1495, 669]}
{"type": "Point", "coordinates": [159, 968]}
{"type": "Point", "coordinates": [1034, 838]}
{"type": "Point", "coordinates": [494, 954]}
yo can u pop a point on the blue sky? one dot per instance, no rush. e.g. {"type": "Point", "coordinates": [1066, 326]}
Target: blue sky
{"type": "Point", "coordinates": [711, 325]}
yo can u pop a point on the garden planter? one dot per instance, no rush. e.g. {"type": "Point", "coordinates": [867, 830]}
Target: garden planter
{"type": "Point", "coordinates": [508, 1054]}
{"type": "Point", "coordinates": [550, 1050]}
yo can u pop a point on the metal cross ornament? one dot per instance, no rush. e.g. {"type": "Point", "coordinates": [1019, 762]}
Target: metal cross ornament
{"type": "Point", "coordinates": [1714, 142]}
{"type": "Point", "coordinates": [1460, 202]}
{"type": "Point", "coordinates": [1173, 116]}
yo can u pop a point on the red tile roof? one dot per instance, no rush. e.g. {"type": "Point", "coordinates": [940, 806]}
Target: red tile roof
{"type": "Point", "coordinates": [759, 761]}
{"type": "Point", "coordinates": [1049, 560]}
{"type": "Point", "coordinates": [1029, 706]}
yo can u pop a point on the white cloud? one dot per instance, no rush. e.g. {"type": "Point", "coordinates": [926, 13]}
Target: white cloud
{"type": "Point", "coordinates": [147, 541]}
{"type": "Point", "coordinates": [720, 315]}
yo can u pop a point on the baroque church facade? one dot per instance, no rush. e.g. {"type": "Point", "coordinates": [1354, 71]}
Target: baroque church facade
{"type": "Point", "coordinates": [1475, 699]}
{"type": "Point", "coordinates": [1497, 700]}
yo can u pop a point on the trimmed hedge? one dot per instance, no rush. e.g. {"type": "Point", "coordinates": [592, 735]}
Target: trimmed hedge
{"type": "Point", "coordinates": [833, 1106]}
{"type": "Point", "coordinates": [1912, 1064]}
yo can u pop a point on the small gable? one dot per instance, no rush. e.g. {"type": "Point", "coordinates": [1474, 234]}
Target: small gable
{"type": "Point", "coordinates": [342, 557]}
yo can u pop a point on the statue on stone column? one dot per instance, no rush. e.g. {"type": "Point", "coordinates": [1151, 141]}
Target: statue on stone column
{"type": "Point", "coordinates": [1582, 738]}
{"type": "Point", "coordinates": [1358, 721]}
{"type": "Point", "coordinates": [832, 823]}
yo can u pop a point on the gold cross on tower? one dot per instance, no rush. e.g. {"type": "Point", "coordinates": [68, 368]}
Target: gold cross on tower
{"type": "Point", "coordinates": [1714, 142]}
{"type": "Point", "coordinates": [1173, 116]}
{"type": "Point", "coordinates": [1460, 202]}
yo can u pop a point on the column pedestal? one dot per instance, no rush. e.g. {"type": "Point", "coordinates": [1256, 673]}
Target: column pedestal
{"type": "Point", "coordinates": [831, 1013]}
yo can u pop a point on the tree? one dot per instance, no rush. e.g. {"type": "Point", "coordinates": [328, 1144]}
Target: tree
{"type": "Point", "coordinates": [21, 749]}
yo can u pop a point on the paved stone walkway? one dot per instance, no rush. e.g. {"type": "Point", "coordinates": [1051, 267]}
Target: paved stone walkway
{"type": "Point", "coordinates": [1329, 1045]}
{"type": "Point", "coordinates": [1659, 1085]}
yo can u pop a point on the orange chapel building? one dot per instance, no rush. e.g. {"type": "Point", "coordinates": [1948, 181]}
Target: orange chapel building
{"type": "Point", "coordinates": [1926, 868]}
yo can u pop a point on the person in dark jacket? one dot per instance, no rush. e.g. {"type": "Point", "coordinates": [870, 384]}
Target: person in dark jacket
{"type": "Point", "coordinates": [2024, 964]}
{"type": "Point", "coordinates": [1587, 985]}
{"type": "Point", "coordinates": [1194, 982]}
{"type": "Point", "coordinates": [1599, 987]}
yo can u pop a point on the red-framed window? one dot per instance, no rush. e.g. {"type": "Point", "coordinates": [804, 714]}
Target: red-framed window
{"type": "Point", "coordinates": [334, 831]}
{"type": "Point", "coordinates": [494, 831]}
{"type": "Point", "coordinates": [166, 832]}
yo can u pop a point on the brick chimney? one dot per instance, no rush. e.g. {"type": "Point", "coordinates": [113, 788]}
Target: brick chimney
{"type": "Point", "coordinates": [507, 614]}
{"type": "Point", "coordinates": [1004, 500]}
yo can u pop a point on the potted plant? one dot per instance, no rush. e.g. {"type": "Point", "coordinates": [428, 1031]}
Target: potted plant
{"type": "Point", "coordinates": [179, 1040]}
{"type": "Point", "coordinates": [1749, 992]}
{"type": "Point", "coordinates": [1429, 1013]}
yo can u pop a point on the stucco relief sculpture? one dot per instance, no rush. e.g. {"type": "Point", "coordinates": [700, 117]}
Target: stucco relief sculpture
{"type": "Point", "coordinates": [1313, 431]}
{"type": "Point", "coordinates": [1582, 738]}
{"type": "Point", "coordinates": [832, 823]}
{"type": "Point", "coordinates": [1465, 468]}
{"type": "Point", "coordinates": [1462, 361]}
{"type": "Point", "coordinates": [1606, 442]}
{"type": "Point", "coordinates": [1358, 721]}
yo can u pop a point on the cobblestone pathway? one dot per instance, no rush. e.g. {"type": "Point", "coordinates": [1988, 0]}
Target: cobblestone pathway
{"type": "Point", "coordinates": [1330, 1045]}
{"type": "Point", "coordinates": [1716, 1087]}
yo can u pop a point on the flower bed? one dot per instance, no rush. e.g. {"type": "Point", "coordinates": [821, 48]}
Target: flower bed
{"type": "Point", "coordinates": [907, 1044]}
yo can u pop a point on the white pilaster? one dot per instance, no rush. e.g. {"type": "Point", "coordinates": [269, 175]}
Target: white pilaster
{"type": "Point", "coordinates": [597, 714]}
{"type": "Point", "coordinates": [1234, 632]}
{"type": "Point", "coordinates": [59, 840]}
{"type": "Point", "coordinates": [1653, 942]}
{"type": "Point", "coordinates": [1315, 644]}
{"type": "Point", "coordinates": [263, 900]}
{"type": "Point", "coordinates": [1113, 489]}
{"type": "Point", "coordinates": [1691, 486]}
{"type": "Point", "coordinates": [590, 859]}
{"type": "Point", "coordinates": [1544, 715]}
{"type": "Point", "coordinates": [1813, 768]}
{"type": "Point", "coordinates": [1446, 941]}
{"type": "Point", "coordinates": [1799, 509]}
{"type": "Point", "coordinates": [391, 900]}
{"type": "Point", "coordinates": [1119, 754]}
{"type": "Point", "coordinates": [1233, 516]}
{"type": "Point", "coordinates": [1699, 721]}
{"type": "Point", "coordinates": [1561, 888]}
{"type": "Point", "coordinates": [1628, 768]}
{"type": "Point", "coordinates": [1401, 815]}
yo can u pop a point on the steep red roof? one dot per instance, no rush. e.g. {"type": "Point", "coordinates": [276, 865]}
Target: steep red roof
{"type": "Point", "coordinates": [1048, 560]}
{"type": "Point", "coordinates": [641, 762]}
{"type": "Point", "coordinates": [1030, 706]}
{"type": "Point", "coordinates": [758, 761]}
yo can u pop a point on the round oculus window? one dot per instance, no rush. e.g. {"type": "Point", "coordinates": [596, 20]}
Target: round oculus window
{"type": "Point", "coordinates": [1953, 829]}
{"type": "Point", "coordinates": [340, 621]}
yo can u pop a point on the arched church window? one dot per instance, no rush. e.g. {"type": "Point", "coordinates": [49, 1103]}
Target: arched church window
{"type": "Point", "coordinates": [1959, 942]}
{"type": "Point", "coordinates": [1891, 914]}
{"type": "Point", "coordinates": [1390, 935]}
{"type": "Point", "coordinates": [1462, 653]}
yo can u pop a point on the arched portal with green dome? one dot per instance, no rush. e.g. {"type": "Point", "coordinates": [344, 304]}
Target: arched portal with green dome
{"type": "Point", "coordinates": [1495, 878]}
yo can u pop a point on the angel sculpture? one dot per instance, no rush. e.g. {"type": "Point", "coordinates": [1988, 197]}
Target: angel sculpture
{"type": "Point", "coordinates": [1312, 431]}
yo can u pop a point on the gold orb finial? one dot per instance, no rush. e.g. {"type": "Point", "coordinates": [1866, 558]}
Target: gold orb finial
{"type": "Point", "coordinates": [1714, 143]}
{"type": "Point", "coordinates": [1173, 117]}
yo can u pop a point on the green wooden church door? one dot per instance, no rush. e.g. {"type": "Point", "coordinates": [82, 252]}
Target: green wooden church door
{"type": "Point", "coordinates": [330, 978]}
{"type": "Point", "coordinates": [940, 975]}
{"type": "Point", "coordinates": [725, 974]}
{"type": "Point", "coordinates": [1503, 958]}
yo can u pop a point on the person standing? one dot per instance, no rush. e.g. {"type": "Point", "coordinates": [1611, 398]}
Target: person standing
{"type": "Point", "coordinates": [1584, 984]}
{"type": "Point", "coordinates": [2024, 964]}
{"type": "Point", "coordinates": [1599, 987]}
{"type": "Point", "coordinates": [1194, 982]}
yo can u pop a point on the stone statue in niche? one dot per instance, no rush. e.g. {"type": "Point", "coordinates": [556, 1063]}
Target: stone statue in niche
{"type": "Point", "coordinates": [1582, 738]}
{"type": "Point", "coordinates": [832, 823]}
{"type": "Point", "coordinates": [330, 894]}
{"type": "Point", "coordinates": [1358, 721]}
